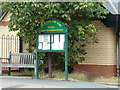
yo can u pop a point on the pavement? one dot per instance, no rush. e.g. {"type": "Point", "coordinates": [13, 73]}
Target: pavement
{"type": "Point", "coordinates": [27, 82]}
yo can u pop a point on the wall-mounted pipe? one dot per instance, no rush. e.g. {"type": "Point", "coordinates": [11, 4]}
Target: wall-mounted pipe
{"type": "Point", "coordinates": [117, 51]}
{"type": "Point", "coordinates": [117, 44]}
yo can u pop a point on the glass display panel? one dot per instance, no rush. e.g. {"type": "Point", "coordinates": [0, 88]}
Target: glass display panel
{"type": "Point", "coordinates": [57, 42]}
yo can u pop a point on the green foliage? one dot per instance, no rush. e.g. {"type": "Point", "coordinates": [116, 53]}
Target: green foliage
{"type": "Point", "coordinates": [28, 16]}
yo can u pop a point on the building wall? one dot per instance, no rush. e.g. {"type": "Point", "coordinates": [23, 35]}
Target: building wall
{"type": "Point", "coordinates": [7, 17]}
{"type": "Point", "coordinates": [101, 57]}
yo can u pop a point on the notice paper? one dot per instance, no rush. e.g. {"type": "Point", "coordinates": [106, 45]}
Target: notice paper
{"type": "Point", "coordinates": [55, 46]}
{"type": "Point", "coordinates": [62, 38]}
{"type": "Point", "coordinates": [61, 46]}
{"type": "Point", "coordinates": [45, 39]}
{"type": "Point", "coordinates": [56, 38]}
{"type": "Point", "coordinates": [39, 45]}
{"type": "Point", "coordinates": [40, 38]}
{"type": "Point", "coordinates": [46, 46]}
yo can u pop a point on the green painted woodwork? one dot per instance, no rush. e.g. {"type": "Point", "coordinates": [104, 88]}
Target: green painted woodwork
{"type": "Point", "coordinates": [37, 62]}
{"type": "Point", "coordinates": [50, 50]}
{"type": "Point", "coordinates": [66, 56]}
{"type": "Point", "coordinates": [50, 27]}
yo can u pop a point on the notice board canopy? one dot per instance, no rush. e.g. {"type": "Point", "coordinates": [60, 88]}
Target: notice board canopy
{"type": "Point", "coordinates": [52, 26]}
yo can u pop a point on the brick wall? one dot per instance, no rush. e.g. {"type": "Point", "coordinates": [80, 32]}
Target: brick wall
{"type": "Point", "coordinates": [7, 17]}
{"type": "Point", "coordinates": [104, 52]}
{"type": "Point", "coordinates": [101, 57]}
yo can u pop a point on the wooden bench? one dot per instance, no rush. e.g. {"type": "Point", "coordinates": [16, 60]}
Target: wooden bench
{"type": "Point", "coordinates": [20, 60]}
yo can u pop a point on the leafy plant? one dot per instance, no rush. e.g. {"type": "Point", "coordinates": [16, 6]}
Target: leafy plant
{"type": "Point", "coordinates": [28, 16]}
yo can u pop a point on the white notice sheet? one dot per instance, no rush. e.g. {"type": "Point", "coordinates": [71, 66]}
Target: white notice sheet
{"type": "Point", "coordinates": [40, 38]}
{"type": "Point", "coordinates": [55, 46]}
{"type": "Point", "coordinates": [62, 38]}
{"type": "Point", "coordinates": [56, 38]}
{"type": "Point", "coordinates": [39, 45]}
{"type": "Point", "coordinates": [61, 46]}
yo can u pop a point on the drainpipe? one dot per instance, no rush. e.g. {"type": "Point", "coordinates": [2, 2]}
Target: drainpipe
{"type": "Point", "coordinates": [117, 46]}
{"type": "Point", "coordinates": [117, 40]}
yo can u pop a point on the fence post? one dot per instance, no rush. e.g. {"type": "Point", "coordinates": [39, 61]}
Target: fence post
{"type": "Point", "coordinates": [0, 67]}
{"type": "Point", "coordinates": [9, 63]}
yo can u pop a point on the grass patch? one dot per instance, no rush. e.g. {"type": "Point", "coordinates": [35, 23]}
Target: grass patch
{"type": "Point", "coordinates": [77, 77]}
{"type": "Point", "coordinates": [29, 73]}
{"type": "Point", "coordinates": [107, 80]}
{"type": "Point", "coordinates": [59, 75]}
{"type": "Point", "coordinates": [22, 73]}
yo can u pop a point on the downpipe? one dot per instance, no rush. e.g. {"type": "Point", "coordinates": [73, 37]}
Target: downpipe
{"type": "Point", "coordinates": [117, 50]}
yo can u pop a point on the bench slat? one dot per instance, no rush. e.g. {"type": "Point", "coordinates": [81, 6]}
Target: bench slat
{"type": "Point", "coordinates": [18, 65]}
{"type": "Point", "coordinates": [22, 54]}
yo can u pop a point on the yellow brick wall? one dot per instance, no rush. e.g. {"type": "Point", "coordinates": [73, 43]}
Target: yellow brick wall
{"type": "Point", "coordinates": [7, 17]}
{"type": "Point", "coordinates": [104, 52]}
{"type": "Point", "coordinates": [5, 30]}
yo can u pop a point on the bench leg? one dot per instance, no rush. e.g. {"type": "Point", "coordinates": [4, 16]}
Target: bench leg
{"type": "Point", "coordinates": [0, 71]}
{"type": "Point", "coordinates": [35, 72]}
{"type": "Point", "coordinates": [9, 70]}
{"type": "Point", "coordinates": [35, 69]}
{"type": "Point", "coordinates": [0, 67]}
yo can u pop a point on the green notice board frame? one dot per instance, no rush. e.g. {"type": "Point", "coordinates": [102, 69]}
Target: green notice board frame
{"type": "Point", "coordinates": [53, 27]}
